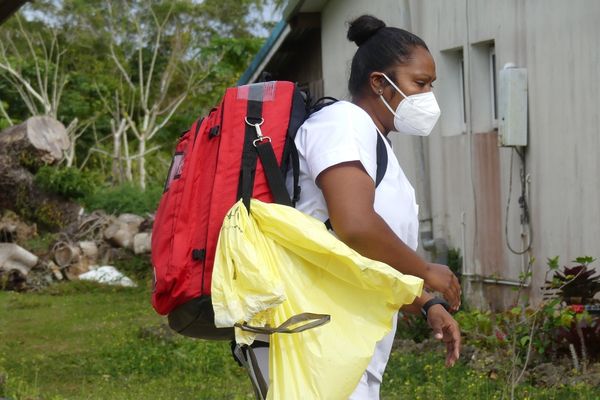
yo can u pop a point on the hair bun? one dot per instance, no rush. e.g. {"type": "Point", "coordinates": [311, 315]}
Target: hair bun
{"type": "Point", "coordinates": [363, 27]}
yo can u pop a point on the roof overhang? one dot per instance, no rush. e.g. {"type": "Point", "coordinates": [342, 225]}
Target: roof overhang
{"type": "Point", "coordinates": [9, 7]}
{"type": "Point", "coordinates": [278, 35]}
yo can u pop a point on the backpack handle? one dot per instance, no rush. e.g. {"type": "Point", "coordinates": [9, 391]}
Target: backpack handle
{"type": "Point", "coordinates": [312, 321]}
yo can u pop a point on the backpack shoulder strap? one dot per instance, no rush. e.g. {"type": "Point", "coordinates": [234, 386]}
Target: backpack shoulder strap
{"type": "Point", "coordinates": [257, 145]}
{"type": "Point", "coordinates": [382, 160]}
{"type": "Point", "coordinates": [382, 163]}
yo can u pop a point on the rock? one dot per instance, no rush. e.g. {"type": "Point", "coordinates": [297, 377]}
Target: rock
{"type": "Point", "coordinates": [89, 249]}
{"type": "Point", "coordinates": [39, 277]}
{"type": "Point", "coordinates": [132, 220]}
{"type": "Point", "coordinates": [107, 274]}
{"type": "Point", "coordinates": [118, 236]}
{"type": "Point", "coordinates": [142, 243]}
{"type": "Point", "coordinates": [13, 280]}
{"type": "Point", "coordinates": [56, 271]}
{"type": "Point", "coordinates": [146, 226]}
{"type": "Point", "coordinates": [13, 229]}
{"type": "Point", "coordinates": [121, 232]}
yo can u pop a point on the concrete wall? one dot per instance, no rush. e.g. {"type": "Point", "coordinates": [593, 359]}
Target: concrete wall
{"type": "Point", "coordinates": [462, 177]}
{"type": "Point", "coordinates": [557, 42]}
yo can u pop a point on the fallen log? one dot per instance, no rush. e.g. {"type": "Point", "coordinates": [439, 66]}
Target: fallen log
{"type": "Point", "coordinates": [15, 264]}
{"type": "Point", "coordinates": [14, 257]}
{"type": "Point", "coordinates": [24, 148]}
{"type": "Point", "coordinates": [39, 140]}
{"type": "Point", "coordinates": [65, 254]}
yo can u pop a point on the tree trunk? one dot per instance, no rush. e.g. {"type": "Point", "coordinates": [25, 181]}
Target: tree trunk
{"type": "Point", "coordinates": [117, 168]}
{"type": "Point", "coordinates": [128, 163]}
{"type": "Point", "coordinates": [142, 162]}
{"type": "Point", "coordinates": [23, 149]}
{"type": "Point", "coordinates": [117, 162]}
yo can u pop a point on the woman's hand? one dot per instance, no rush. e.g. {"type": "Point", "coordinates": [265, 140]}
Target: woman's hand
{"type": "Point", "coordinates": [439, 278]}
{"type": "Point", "coordinates": [445, 328]}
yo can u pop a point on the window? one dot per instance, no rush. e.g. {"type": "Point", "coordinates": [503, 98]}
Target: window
{"type": "Point", "coordinates": [451, 92]}
{"type": "Point", "coordinates": [493, 85]}
{"type": "Point", "coordinates": [463, 95]}
{"type": "Point", "coordinates": [483, 91]}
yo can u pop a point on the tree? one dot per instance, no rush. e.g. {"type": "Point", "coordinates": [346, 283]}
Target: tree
{"type": "Point", "coordinates": [42, 92]}
{"type": "Point", "coordinates": [134, 74]}
{"type": "Point", "coordinates": [39, 77]}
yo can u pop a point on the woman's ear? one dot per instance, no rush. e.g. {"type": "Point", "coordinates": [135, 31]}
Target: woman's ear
{"type": "Point", "coordinates": [376, 83]}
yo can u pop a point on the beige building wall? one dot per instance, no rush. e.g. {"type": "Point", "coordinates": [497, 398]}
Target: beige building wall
{"type": "Point", "coordinates": [461, 175]}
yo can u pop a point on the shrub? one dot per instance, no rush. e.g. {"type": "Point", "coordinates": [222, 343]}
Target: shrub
{"type": "Point", "coordinates": [573, 285]}
{"type": "Point", "coordinates": [413, 327]}
{"type": "Point", "coordinates": [66, 181]}
{"type": "Point", "coordinates": [137, 267]}
{"type": "Point", "coordinates": [126, 198]}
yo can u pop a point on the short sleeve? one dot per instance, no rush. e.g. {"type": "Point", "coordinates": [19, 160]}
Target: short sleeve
{"type": "Point", "coordinates": [342, 132]}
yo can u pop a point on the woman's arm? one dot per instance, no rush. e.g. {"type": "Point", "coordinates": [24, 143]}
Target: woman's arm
{"type": "Point", "coordinates": [350, 193]}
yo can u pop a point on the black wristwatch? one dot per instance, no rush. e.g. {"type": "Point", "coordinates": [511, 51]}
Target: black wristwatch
{"type": "Point", "coordinates": [433, 302]}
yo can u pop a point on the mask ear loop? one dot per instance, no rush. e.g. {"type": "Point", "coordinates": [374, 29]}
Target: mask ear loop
{"type": "Point", "coordinates": [384, 100]}
{"type": "Point", "coordinates": [394, 85]}
{"type": "Point", "coordinates": [387, 104]}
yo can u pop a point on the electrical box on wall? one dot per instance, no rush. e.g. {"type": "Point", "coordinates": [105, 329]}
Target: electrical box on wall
{"type": "Point", "coordinates": [512, 106]}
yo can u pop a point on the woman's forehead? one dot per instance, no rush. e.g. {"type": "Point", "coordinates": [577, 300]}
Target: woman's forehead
{"type": "Point", "coordinates": [420, 61]}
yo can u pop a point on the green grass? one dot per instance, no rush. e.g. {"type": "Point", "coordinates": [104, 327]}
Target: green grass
{"type": "Point", "coordinates": [80, 340]}
{"type": "Point", "coordinates": [83, 341]}
{"type": "Point", "coordinates": [423, 377]}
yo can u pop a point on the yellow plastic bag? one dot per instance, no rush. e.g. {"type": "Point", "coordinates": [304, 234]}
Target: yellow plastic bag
{"type": "Point", "coordinates": [278, 262]}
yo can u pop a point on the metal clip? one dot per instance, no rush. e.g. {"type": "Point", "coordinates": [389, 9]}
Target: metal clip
{"type": "Point", "coordinates": [259, 135]}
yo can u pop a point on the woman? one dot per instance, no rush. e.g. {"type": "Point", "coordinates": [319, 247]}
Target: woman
{"type": "Point", "coordinates": [390, 84]}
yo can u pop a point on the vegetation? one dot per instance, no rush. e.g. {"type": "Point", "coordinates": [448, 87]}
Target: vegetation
{"type": "Point", "coordinates": [81, 340]}
{"type": "Point", "coordinates": [66, 181]}
{"type": "Point", "coordinates": [125, 78]}
{"type": "Point", "coordinates": [126, 198]}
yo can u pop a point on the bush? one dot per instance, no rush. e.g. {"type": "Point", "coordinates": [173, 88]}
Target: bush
{"type": "Point", "coordinates": [137, 267]}
{"type": "Point", "coordinates": [126, 198]}
{"type": "Point", "coordinates": [413, 327]}
{"type": "Point", "coordinates": [66, 181]}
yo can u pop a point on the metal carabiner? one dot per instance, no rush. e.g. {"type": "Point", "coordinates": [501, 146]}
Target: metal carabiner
{"type": "Point", "coordinates": [259, 134]}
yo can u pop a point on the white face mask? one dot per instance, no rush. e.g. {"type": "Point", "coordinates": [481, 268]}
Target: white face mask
{"type": "Point", "coordinates": [416, 114]}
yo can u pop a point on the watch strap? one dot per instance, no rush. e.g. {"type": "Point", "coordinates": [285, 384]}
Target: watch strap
{"type": "Point", "coordinates": [432, 302]}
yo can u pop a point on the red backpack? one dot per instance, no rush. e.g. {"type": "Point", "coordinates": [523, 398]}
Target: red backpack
{"type": "Point", "coordinates": [215, 164]}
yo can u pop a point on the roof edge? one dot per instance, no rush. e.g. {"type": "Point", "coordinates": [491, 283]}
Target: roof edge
{"type": "Point", "coordinates": [263, 53]}
{"type": "Point", "coordinates": [273, 40]}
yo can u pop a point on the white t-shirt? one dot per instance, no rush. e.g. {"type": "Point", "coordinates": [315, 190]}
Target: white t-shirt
{"type": "Point", "coordinates": [344, 132]}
